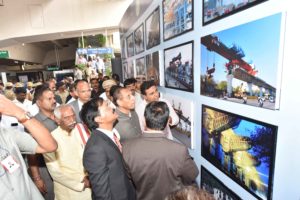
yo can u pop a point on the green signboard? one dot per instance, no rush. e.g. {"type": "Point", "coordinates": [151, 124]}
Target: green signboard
{"type": "Point", "coordinates": [4, 54]}
{"type": "Point", "coordinates": [52, 68]}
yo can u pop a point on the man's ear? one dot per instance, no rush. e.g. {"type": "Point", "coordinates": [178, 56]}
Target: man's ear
{"type": "Point", "coordinates": [57, 120]}
{"type": "Point", "coordinates": [98, 119]}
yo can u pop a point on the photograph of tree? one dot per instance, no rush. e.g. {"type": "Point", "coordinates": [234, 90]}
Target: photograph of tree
{"type": "Point", "coordinates": [243, 148]}
{"type": "Point", "coordinates": [214, 186]}
{"type": "Point", "coordinates": [184, 108]}
{"type": "Point", "coordinates": [242, 65]}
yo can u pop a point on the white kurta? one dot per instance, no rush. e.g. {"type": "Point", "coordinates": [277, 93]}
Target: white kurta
{"type": "Point", "coordinates": [66, 168]}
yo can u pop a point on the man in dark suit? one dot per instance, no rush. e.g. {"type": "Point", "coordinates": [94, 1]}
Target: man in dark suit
{"type": "Point", "coordinates": [102, 157]}
{"type": "Point", "coordinates": [83, 92]}
{"type": "Point", "coordinates": [157, 165]}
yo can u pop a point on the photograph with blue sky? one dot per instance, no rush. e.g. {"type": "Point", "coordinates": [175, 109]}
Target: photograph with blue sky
{"type": "Point", "coordinates": [243, 61]}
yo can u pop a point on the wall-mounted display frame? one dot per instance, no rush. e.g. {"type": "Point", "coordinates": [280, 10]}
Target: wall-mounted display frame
{"type": "Point", "coordinates": [128, 70]}
{"type": "Point", "coordinates": [153, 29]}
{"type": "Point", "coordinates": [243, 148]}
{"type": "Point", "coordinates": [214, 10]}
{"type": "Point", "coordinates": [152, 67]}
{"type": "Point", "coordinates": [251, 74]}
{"type": "Point", "coordinates": [139, 46]}
{"type": "Point", "coordinates": [184, 130]}
{"type": "Point", "coordinates": [123, 48]}
{"type": "Point", "coordinates": [130, 45]}
{"type": "Point", "coordinates": [177, 17]}
{"type": "Point", "coordinates": [214, 186]}
{"type": "Point", "coordinates": [178, 65]}
{"type": "Point", "coordinates": [140, 67]}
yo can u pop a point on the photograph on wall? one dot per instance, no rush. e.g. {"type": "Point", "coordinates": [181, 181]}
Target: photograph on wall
{"type": "Point", "coordinates": [128, 70]}
{"type": "Point", "coordinates": [152, 29]}
{"type": "Point", "coordinates": [123, 48]}
{"type": "Point", "coordinates": [177, 17]}
{"type": "Point", "coordinates": [139, 39]}
{"type": "Point", "coordinates": [179, 67]}
{"type": "Point", "coordinates": [140, 67]}
{"type": "Point", "coordinates": [152, 67]}
{"type": "Point", "coordinates": [214, 10]}
{"type": "Point", "coordinates": [243, 148]}
{"type": "Point", "coordinates": [130, 45]}
{"type": "Point", "coordinates": [243, 65]}
{"type": "Point", "coordinates": [214, 186]}
{"type": "Point", "coordinates": [183, 131]}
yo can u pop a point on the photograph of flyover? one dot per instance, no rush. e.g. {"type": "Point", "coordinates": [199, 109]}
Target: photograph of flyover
{"type": "Point", "coordinates": [241, 64]}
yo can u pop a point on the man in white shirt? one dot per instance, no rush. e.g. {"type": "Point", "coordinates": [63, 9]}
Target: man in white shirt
{"type": "Point", "coordinates": [22, 102]}
{"type": "Point", "coordinates": [65, 164]}
{"type": "Point", "coordinates": [150, 93]}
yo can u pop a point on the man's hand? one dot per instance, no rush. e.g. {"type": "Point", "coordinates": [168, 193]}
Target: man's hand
{"type": "Point", "coordinates": [86, 182]}
{"type": "Point", "coordinates": [41, 186]}
{"type": "Point", "coordinates": [7, 107]}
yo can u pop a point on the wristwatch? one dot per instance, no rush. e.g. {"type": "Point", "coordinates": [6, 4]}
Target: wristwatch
{"type": "Point", "coordinates": [25, 117]}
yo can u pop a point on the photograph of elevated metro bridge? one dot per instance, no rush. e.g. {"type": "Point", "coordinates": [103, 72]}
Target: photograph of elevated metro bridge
{"type": "Point", "coordinates": [241, 64]}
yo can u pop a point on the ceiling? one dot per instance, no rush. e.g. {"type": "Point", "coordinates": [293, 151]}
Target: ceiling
{"type": "Point", "coordinates": [48, 42]}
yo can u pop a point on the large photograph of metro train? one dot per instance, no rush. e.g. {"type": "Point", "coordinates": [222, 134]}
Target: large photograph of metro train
{"type": "Point", "coordinates": [241, 64]}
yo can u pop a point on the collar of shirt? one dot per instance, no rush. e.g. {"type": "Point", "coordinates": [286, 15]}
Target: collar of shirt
{"type": "Point", "coordinates": [109, 133]}
{"type": "Point", "coordinates": [80, 104]}
{"type": "Point", "coordinates": [120, 113]}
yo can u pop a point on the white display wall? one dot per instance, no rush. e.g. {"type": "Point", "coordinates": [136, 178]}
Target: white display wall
{"type": "Point", "coordinates": [286, 115]}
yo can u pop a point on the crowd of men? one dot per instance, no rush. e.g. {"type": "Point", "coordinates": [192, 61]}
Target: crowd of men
{"type": "Point", "coordinates": [90, 140]}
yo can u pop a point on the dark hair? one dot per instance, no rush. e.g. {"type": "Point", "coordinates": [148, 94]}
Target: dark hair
{"type": "Point", "coordinates": [90, 111]}
{"type": "Point", "coordinates": [129, 81]}
{"type": "Point", "coordinates": [79, 81]}
{"type": "Point", "coordinates": [156, 115]}
{"type": "Point", "coordinates": [19, 90]}
{"type": "Point", "coordinates": [72, 87]}
{"type": "Point", "coordinates": [93, 79]}
{"type": "Point", "coordinates": [190, 193]}
{"type": "Point", "coordinates": [116, 77]}
{"type": "Point", "coordinates": [116, 94]}
{"type": "Point", "coordinates": [146, 85]}
{"type": "Point", "coordinates": [39, 91]}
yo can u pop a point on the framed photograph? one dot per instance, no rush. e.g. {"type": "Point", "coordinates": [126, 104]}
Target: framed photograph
{"type": "Point", "coordinates": [243, 148]}
{"type": "Point", "coordinates": [184, 108]}
{"type": "Point", "coordinates": [123, 48]}
{"type": "Point", "coordinates": [139, 39]}
{"type": "Point", "coordinates": [152, 67]}
{"type": "Point", "coordinates": [214, 10]}
{"type": "Point", "coordinates": [130, 45]}
{"type": "Point", "coordinates": [214, 186]}
{"type": "Point", "coordinates": [153, 29]}
{"type": "Point", "coordinates": [128, 70]}
{"type": "Point", "coordinates": [179, 67]}
{"type": "Point", "coordinates": [244, 65]}
{"type": "Point", "coordinates": [177, 17]}
{"type": "Point", "coordinates": [140, 67]}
